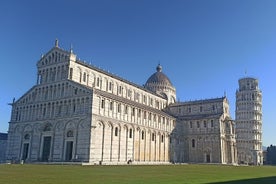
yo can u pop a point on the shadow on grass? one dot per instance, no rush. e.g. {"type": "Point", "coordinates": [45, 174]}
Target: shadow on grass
{"type": "Point", "coordinates": [265, 180]}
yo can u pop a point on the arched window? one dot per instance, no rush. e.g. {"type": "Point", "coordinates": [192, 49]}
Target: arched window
{"type": "Point", "coordinates": [111, 106]}
{"type": "Point", "coordinates": [130, 133]}
{"type": "Point", "coordinates": [102, 104]}
{"type": "Point", "coordinates": [70, 133]}
{"type": "Point", "coordinates": [48, 127]}
{"type": "Point", "coordinates": [80, 76]}
{"type": "Point", "coordinates": [84, 77]}
{"type": "Point", "coordinates": [142, 135]}
{"type": "Point", "coordinates": [71, 73]}
{"type": "Point", "coordinates": [27, 137]}
{"type": "Point", "coordinates": [119, 108]}
{"type": "Point", "coordinates": [193, 143]}
{"type": "Point", "coordinates": [98, 82]}
{"type": "Point", "coordinates": [116, 131]}
{"type": "Point", "coordinates": [152, 137]}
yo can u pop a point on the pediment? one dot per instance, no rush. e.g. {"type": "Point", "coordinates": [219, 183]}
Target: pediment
{"type": "Point", "coordinates": [54, 56]}
{"type": "Point", "coordinates": [31, 95]}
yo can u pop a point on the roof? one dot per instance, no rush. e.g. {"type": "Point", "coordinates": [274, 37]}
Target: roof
{"type": "Point", "coordinates": [159, 77]}
{"type": "Point", "coordinates": [117, 77]}
{"type": "Point", "coordinates": [195, 102]}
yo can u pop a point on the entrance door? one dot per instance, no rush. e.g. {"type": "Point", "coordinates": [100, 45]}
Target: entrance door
{"type": "Point", "coordinates": [69, 151]}
{"type": "Point", "coordinates": [208, 160]}
{"type": "Point", "coordinates": [25, 151]}
{"type": "Point", "coordinates": [46, 148]}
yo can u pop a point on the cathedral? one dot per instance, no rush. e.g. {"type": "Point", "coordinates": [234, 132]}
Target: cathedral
{"type": "Point", "coordinates": [77, 112]}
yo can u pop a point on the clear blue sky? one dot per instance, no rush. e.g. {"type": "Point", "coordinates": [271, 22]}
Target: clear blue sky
{"type": "Point", "coordinates": [203, 46]}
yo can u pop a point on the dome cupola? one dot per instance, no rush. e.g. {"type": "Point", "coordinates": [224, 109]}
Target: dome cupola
{"type": "Point", "coordinates": [158, 78]}
{"type": "Point", "coordinates": [161, 84]}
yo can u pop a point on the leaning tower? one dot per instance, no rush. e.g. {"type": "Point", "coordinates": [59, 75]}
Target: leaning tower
{"type": "Point", "coordinates": [249, 122]}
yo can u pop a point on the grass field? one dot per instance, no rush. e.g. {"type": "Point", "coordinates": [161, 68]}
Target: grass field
{"type": "Point", "coordinates": [169, 174]}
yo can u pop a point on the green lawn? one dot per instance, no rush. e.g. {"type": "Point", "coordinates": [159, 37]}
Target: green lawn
{"type": "Point", "coordinates": [168, 174]}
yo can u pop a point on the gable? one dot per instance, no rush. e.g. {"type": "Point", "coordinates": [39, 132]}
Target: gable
{"type": "Point", "coordinates": [52, 92]}
{"type": "Point", "coordinates": [54, 56]}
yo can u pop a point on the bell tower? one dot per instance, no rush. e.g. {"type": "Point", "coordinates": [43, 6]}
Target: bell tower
{"type": "Point", "coordinates": [249, 122]}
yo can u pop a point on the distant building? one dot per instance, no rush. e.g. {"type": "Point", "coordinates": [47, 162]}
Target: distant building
{"type": "Point", "coordinates": [78, 112]}
{"type": "Point", "coordinates": [264, 156]}
{"type": "Point", "coordinates": [271, 155]}
{"type": "Point", "coordinates": [249, 122]}
{"type": "Point", "coordinates": [3, 146]}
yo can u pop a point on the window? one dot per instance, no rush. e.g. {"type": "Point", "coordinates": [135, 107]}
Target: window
{"type": "Point", "coordinates": [129, 93]}
{"type": "Point", "coordinates": [191, 124]}
{"type": "Point", "coordinates": [189, 110]}
{"type": "Point", "coordinates": [162, 138]}
{"type": "Point", "coordinates": [27, 137]}
{"type": "Point", "coordinates": [98, 82]}
{"type": "Point", "coordinates": [84, 77]}
{"type": "Point", "coordinates": [119, 108]}
{"type": "Point", "coordinates": [70, 133]}
{"type": "Point", "coordinates": [126, 109]}
{"type": "Point", "coordinates": [102, 104]}
{"type": "Point", "coordinates": [71, 73]}
{"type": "Point", "coordinates": [44, 111]}
{"type": "Point", "coordinates": [59, 109]}
{"type": "Point", "coordinates": [120, 89]}
{"type": "Point", "coordinates": [205, 124]}
{"type": "Point", "coordinates": [145, 114]}
{"type": "Point", "coordinates": [133, 111]}
{"type": "Point", "coordinates": [110, 86]}
{"type": "Point", "coordinates": [198, 125]}
{"type": "Point", "coordinates": [80, 76]}
{"type": "Point", "coordinates": [193, 143]}
{"type": "Point", "coordinates": [111, 106]}
{"type": "Point", "coordinates": [116, 131]}
{"type": "Point", "coordinates": [145, 99]}
{"type": "Point", "coordinates": [152, 137]}
{"type": "Point", "coordinates": [142, 135]}
{"type": "Point", "coordinates": [74, 108]}
{"type": "Point", "coordinates": [106, 86]}
{"type": "Point", "coordinates": [157, 104]}
{"type": "Point", "coordinates": [137, 96]}
{"type": "Point", "coordinates": [130, 133]}
{"type": "Point", "coordinates": [212, 123]}
{"type": "Point", "coordinates": [200, 109]}
{"type": "Point", "coordinates": [48, 127]}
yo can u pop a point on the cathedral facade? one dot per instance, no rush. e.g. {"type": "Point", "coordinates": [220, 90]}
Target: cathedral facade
{"type": "Point", "coordinates": [77, 112]}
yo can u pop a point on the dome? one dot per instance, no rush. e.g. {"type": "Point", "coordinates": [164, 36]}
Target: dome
{"type": "Point", "coordinates": [159, 78]}
{"type": "Point", "coordinates": [160, 84]}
